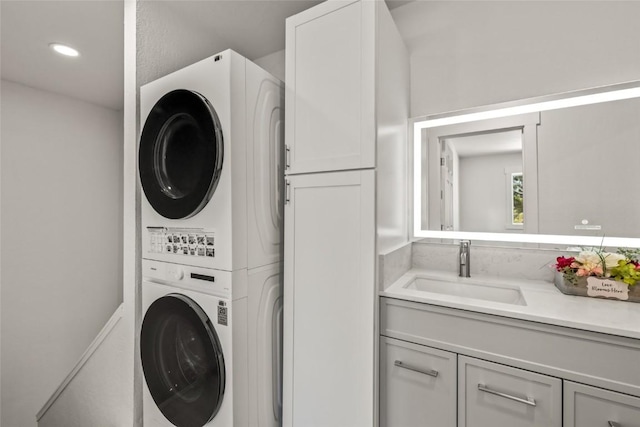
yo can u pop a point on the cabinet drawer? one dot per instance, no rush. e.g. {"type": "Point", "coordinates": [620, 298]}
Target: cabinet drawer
{"type": "Point", "coordinates": [586, 406]}
{"type": "Point", "coordinates": [495, 395]}
{"type": "Point", "coordinates": [418, 385]}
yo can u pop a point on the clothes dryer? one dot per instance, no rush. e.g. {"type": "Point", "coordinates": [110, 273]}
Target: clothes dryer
{"type": "Point", "coordinates": [210, 163]}
{"type": "Point", "coordinates": [193, 346]}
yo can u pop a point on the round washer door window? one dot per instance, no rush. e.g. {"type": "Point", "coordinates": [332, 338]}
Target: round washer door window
{"type": "Point", "coordinates": [181, 153]}
{"type": "Point", "coordinates": [182, 361]}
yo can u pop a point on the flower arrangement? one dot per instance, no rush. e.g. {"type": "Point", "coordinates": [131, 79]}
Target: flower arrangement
{"type": "Point", "coordinates": [623, 265]}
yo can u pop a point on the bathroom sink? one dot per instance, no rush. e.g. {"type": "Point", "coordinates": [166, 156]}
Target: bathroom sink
{"type": "Point", "coordinates": [467, 288]}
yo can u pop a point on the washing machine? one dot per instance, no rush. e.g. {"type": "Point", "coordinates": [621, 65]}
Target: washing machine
{"type": "Point", "coordinates": [193, 346]}
{"type": "Point", "coordinates": [264, 340]}
{"type": "Point", "coordinates": [211, 346]}
{"type": "Point", "coordinates": [210, 164]}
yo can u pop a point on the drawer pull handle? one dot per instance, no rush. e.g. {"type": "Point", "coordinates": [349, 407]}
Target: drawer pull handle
{"type": "Point", "coordinates": [614, 424]}
{"type": "Point", "coordinates": [527, 401]}
{"type": "Point", "coordinates": [400, 364]}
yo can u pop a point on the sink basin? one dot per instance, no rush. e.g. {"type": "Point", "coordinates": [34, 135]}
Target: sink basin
{"type": "Point", "coordinates": [468, 289]}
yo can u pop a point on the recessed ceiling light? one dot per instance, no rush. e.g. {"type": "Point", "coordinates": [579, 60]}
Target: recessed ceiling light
{"type": "Point", "coordinates": [63, 49]}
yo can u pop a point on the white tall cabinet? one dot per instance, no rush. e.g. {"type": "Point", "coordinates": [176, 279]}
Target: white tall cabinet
{"type": "Point", "coordinates": [347, 81]}
{"type": "Point", "coordinates": [330, 71]}
{"type": "Point", "coordinates": [329, 303]}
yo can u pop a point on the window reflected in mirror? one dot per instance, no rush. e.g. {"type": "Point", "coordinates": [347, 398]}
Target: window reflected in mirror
{"type": "Point", "coordinates": [517, 198]}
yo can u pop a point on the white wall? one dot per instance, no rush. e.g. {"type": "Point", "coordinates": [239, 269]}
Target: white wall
{"type": "Point", "coordinates": [392, 111]}
{"type": "Point", "coordinates": [61, 176]}
{"type": "Point", "coordinates": [273, 63]}
{"type": "Point", "coordinates": [168, 42]}
{"type": "Point", "coordinates": [482, 191]}
{"type": "Point", "coordinates": [97, 394]}
{"type": "Point", "coordinates": [131, 217]}
{"type": "Point", "coordinates": [471, 53]}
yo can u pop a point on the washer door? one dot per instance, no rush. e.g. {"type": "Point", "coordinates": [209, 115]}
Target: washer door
{"type": "Point", "coordinates": [182, 361]}
{"type": "Point", "coordinates": [181, 153]}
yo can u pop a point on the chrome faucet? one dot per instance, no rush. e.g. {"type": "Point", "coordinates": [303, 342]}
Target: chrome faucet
{"type": "Point", "coordinates": [465, 258]}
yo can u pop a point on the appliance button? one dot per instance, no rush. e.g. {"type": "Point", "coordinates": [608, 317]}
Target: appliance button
{"type": "Point", "coordinates": [177, 274]}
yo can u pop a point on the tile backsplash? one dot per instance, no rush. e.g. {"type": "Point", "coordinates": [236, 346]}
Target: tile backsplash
{"type": "Point", "coordinates": [517, 263]}
{"type": "Point", "coordinates": [394, 264]}
{"type": "Point", "coordinates": [497, 261]}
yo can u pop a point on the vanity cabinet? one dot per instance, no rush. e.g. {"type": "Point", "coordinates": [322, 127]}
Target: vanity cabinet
{"type": "Point", "coordinates": [418, 385]}
{"type": "Point", "coordinates": [510, 372]}
{"type": "Point", "coordinates": [586, 406]}
{"type": "Point", "coordinates": [490, 394]}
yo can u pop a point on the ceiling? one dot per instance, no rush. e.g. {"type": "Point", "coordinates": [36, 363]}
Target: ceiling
{"type": "Point", "coordinates": [487, 144]}
{"type": "Point", "coordinates": [253, 28]}
{"type": "Point", "coordinates": [95, 27]}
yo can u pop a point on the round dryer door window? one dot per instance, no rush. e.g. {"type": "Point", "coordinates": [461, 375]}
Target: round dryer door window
{"type": "Point", "coordinates": [182, 361]}
{"type": "Point", "coordinates": [181, 153]}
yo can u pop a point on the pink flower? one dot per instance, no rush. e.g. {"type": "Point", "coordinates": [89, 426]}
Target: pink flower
{"type": "Point", "coordinates": [585, 270]}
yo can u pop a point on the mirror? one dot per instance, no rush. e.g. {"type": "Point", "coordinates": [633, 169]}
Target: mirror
{"type": "Point", "coordinates": [554, 169]}
{"type": "Point", "coordinates": [472, 168]}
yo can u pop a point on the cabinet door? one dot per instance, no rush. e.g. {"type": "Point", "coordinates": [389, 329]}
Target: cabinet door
{"type": "Point", "coordinates": [491, 395]}
{"type": "Point", "coordinates": [330, 87]}
{"type": "Point", "coordinates": [586, 406]}
{"type": "Point", "coordinates": [329, 300]}
{"type": "Point", "coordinates": [417, 385]}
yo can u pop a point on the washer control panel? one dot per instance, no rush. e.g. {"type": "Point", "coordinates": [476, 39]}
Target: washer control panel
{"type": "Point", "coordinates": [175, 273]}
{"type": "Point", "coordinates": [181, 241]}
{"type": "Point", "coordinates": [178, 276]}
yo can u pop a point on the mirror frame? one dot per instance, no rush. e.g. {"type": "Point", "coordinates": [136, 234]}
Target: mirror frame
{"type": "Point", "coordinates": [595, 95]}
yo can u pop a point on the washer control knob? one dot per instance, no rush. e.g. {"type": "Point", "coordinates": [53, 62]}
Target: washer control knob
{"type": "Point", "coordinates": [176, 273]}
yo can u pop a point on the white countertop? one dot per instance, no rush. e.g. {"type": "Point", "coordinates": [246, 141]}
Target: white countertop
{"type": "Point", "coordinates": [544, 303]}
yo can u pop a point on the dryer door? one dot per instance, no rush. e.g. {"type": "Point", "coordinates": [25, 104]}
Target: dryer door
{"type": "Point", "coordinates": [182, 361]}
{"type": "Point", "coordinates": [181, 153]}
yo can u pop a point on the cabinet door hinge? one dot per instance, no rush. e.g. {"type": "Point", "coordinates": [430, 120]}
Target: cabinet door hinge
{"type": "Point", "coordinates": [287, 157]}
{"type": "Point", "coordinates": [441, 161]}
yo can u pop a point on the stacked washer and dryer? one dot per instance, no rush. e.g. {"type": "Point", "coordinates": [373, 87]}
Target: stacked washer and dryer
{"type": "Point", "coordinates": [210, 161]}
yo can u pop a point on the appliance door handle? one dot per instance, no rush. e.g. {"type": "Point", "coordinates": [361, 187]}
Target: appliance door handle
{"type": "Point", "coordinates": [402, 365]}
{"type": "Point", "coordinates": [276, 343]}
{"type": "Point", "coordinates": [614, 424]}
{"type": "Point", "coordinates": [527, 400]}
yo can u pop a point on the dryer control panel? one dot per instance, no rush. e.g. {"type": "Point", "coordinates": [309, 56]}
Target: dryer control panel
{"type": "Point", "coordinates": [182, 241]}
